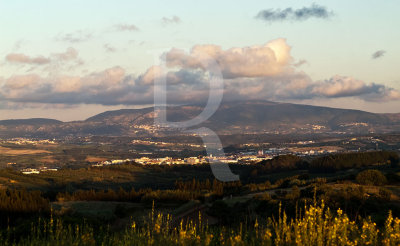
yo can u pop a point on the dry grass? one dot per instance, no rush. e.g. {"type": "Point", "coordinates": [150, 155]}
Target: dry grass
{"type": "Point", "coordinates": [95, 159]}
{"type": "Point", "coordinates": [48, 159]}
{"type": "Point", "coordinates": [14, 152]}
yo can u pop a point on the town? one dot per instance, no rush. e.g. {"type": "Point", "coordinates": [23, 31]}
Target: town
{"type": "Point", "coordinates": [43, 155]}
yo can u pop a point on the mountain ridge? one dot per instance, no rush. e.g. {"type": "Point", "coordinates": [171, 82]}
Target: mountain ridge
{"type": "Point", "coordinates": [230, 118]}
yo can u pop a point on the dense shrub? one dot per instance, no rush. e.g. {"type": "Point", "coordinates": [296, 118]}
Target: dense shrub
{"type": "Point", "coordinates": [280, 163]}
{"type": "Point", "coordinates": [371, 177]}
{"type": "Point", "coordinates": [328, 163]}
{"type": "Point", "coordinates": [331, 163]}
{"type": "Point", "coordinates": [385, 194]}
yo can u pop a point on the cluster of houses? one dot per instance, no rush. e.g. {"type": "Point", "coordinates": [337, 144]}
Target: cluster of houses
{"type": "Point", "coordinates": [313, 151]}
{"type": "Point", "coordinates": [25, 141]}
{"type": "Point", "coordinates": [240, 158]}
{"type": "Point", "coordinates": [37, 170]}
{"type": "Point", "coordinates": [157, 143]}
{"type": "Point", "coordinates": [189, 160]}
{"type": "Point", "coordinates": [152, 161]}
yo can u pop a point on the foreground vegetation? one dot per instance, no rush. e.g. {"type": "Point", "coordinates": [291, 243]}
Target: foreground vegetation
{"type": "Point", "coordinates": [317, 225]}
{"type": "Point", "coordinates": [284, 201]}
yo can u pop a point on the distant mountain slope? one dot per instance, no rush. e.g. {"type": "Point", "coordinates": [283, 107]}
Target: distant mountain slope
{"type": "Point", "coordinates": [231, 118]}
{"type": "Point", "coordinates": [107, 114]}
{"type": "Point", "coordinates": [33, 121]}
{"type": "Point", "coordinates": [122, 114]}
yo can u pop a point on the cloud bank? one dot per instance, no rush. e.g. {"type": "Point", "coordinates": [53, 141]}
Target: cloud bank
{"type": "Point", "coordinates": [265, 72]}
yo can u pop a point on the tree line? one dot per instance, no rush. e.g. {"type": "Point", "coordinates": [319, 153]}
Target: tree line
{"type": "Point", "coordinates": [184, 191]}
{"type": "Point", "coordinates": [327, 163]}
{"type": "Point", "coordinates": [22, 201]}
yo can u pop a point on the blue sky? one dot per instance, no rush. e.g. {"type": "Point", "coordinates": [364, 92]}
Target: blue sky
{"type": "Point", "coordinates": [121, 37]}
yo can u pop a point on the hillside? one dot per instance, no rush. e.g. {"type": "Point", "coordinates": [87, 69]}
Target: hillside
{"type": "Point", "coordinates": [250, 117]}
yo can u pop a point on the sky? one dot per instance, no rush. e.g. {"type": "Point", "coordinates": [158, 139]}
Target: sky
{"type": "Point", "coordinates": [69, 60]}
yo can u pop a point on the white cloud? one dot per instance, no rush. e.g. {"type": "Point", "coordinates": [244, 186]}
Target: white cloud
{"type": "Point", "coordinates": [69, 54]}
{"type": "Point", "coordinates": [25, 59]}
{"type": "Point", "coordinates": [339, 86]}
{"type": "Point", "coordinates": [126, 27]}
{"type": "Point", "coordinates": [75, 37]}
{"type": "Point", "coordinates": [270, 59]}
{"type": "Point", "coordinates": [172, 20]}
{"type": "Point", "coordinates": [152, 73]}
{"type": "Point", "coordinates": [109, 48]}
